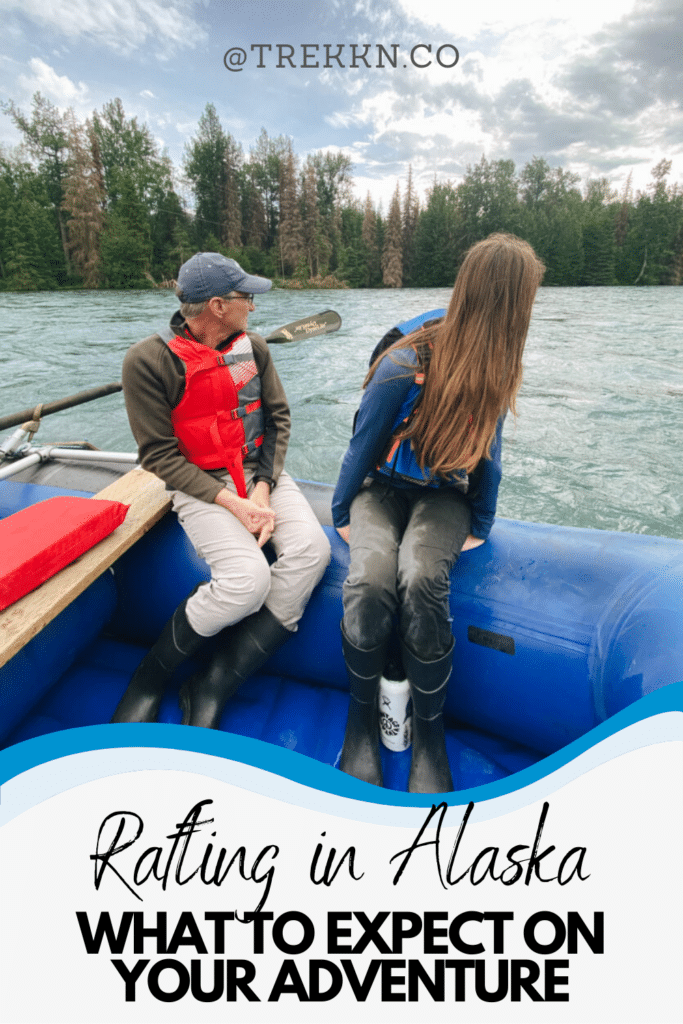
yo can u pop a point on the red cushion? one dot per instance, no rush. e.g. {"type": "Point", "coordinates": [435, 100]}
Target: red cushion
{"type": "Point", "coordinates": [38, 541]}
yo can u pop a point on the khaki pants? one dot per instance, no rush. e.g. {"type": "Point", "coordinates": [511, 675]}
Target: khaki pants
{"type": "Point", "coordinates": [242, 581]}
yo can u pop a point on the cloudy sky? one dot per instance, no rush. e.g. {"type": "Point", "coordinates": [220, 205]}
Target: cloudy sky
{"type": "Point", "coordinates": [594, 87]}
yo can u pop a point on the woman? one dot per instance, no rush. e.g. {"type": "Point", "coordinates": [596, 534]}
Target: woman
{"type": "Point", "coordinates": [419, 484]}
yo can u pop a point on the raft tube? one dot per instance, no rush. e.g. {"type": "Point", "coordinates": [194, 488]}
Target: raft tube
{"type": "Point", "coordinates": [556, 630]}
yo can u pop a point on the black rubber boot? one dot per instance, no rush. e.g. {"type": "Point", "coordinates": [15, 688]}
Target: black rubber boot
{"type": "Point", "coordinates": [429, 769]}
{"type": "Point", "coordinates": [247, 647]}
{"type": "Point", "coordinates": [360, 753]}
{"type": "Point", "coordinates": [177, 642]}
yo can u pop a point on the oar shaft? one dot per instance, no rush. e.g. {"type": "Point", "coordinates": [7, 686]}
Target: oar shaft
{"type": "Point", "coordinates": [16, 418]}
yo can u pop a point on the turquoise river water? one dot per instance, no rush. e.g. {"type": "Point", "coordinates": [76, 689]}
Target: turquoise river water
{"type": "Point", "coordinates": [599, 437]}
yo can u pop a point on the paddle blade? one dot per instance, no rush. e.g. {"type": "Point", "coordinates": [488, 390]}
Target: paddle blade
{"type": "Point", "coordinates": [320, 323]}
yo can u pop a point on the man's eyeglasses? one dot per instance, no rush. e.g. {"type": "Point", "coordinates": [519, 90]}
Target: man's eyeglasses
{"type": "Point", "coordinates": [248, 296]}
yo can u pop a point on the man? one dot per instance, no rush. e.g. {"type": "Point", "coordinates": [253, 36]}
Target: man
{"type": "Point", "coordinates": [210, 417]}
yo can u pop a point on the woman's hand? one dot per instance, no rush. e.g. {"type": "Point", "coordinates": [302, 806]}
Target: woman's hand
{"type": "Point", "coordinates": [344, 532]}
{"type": "Point", "coordinates": [256, 516]}
{"type": "Point", "coordinates": [472, 542]}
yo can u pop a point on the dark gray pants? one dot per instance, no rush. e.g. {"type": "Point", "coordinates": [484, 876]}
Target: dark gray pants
{"type": "Point", "coordinates": [403, 544]}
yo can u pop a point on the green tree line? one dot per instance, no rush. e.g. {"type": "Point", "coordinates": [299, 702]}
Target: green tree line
{"type": "Point", "coordinates": [96, 204]}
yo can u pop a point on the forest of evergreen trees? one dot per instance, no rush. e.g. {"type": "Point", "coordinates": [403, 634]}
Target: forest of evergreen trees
{"type": "Point", "coordinates": [95, 204]}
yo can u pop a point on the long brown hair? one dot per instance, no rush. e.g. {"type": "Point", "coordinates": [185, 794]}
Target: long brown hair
{"type": "Point", "coordinates": [475, 362]}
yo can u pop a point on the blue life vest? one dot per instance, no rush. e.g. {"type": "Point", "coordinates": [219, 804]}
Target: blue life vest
{"type": "Point", "coordinates": [405, 328]}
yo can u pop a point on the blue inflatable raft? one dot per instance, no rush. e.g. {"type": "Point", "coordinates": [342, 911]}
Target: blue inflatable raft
{"type": "Point", "coordinates": [556, 630]}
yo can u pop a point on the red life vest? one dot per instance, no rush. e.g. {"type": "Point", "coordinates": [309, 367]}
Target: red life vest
{"type": "Point", "coordinates": [218, 421]}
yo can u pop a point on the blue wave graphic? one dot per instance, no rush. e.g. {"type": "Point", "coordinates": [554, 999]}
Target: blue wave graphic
{"type": "Point", "coordinates": [300, 769]}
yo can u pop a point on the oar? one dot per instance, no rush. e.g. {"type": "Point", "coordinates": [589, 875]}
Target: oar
{"type": "Point", "coordinates": [16, 418]}
{"type": "Point", "coordinates": [309, 327]}
{"type": "Point", "coordinates": [320, 323]}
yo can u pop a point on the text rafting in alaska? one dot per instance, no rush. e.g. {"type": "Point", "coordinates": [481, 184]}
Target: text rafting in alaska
{"type": "Point", "coordinates": [184, 860]}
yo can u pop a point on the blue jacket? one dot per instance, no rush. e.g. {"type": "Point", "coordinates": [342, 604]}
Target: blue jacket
{"type": "Point", "coordinates": [388, 397]}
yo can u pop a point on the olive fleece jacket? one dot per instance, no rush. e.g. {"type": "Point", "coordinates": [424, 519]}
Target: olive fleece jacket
{"type": "Point", "coordinates": [153, 383]}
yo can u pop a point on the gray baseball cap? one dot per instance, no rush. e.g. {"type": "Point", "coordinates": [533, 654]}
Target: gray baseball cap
{"type": "Point", "coordinates": [208, 273]}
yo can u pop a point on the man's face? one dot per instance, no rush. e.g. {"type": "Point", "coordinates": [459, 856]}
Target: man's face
{"type": "Point", "coordinates": [234, 311]}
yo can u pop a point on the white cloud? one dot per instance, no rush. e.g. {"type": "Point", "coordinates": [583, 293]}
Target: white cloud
{"type": "Point", "coordinates": [555, 17]}
{"type": "Point", "coordinates": [147, 94]}
{"type": "Point", "coordinates": [592, 89]}
{"type": "Point", "coordinates": [121, 25]}
{"type": "Point", "coordinates": [185, 128]}
{"type": "Point", "coordinates": [59, 89]}
{"type": "Point", "coordinates": [342, 82]}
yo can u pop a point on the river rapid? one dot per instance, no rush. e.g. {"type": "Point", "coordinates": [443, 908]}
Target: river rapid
{"type": "Point", "coordinates": [598, 438]}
